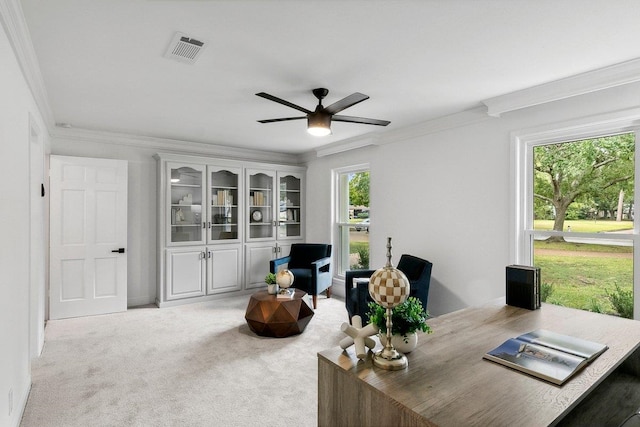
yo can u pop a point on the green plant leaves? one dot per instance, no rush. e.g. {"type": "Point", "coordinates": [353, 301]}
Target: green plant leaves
{"type": "Point", "coordinates": [406, 318]}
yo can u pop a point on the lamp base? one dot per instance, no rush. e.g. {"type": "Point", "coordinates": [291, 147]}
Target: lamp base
{"type": "Point", "coordinates": [390, 359]}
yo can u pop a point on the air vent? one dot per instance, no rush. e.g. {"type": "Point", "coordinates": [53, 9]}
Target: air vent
{"type": "Point", "coordinates": [184, 49]}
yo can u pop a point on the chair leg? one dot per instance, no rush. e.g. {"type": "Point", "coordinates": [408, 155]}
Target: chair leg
{"type": "Point", "coordinates": [329, 292]}
{"type": "Point", "coordinates": [315, 301]}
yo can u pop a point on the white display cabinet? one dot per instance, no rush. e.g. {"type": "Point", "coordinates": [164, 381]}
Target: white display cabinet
{"type": "Point", "coordinates": [257, 258]}
{"type": "Point", "coordinates": [186, 273]}
{"type": "Point", "coordinates": [225, 208]}
{"type": "Point", "coordinates": [274, 218]}
{"type": "Point", "coordinates": [274, 207]}
{"type": "Point", "coordinates": [221, 222]}
{"type": "Point", "coordinates": [290, 215]}
{"type": "Point", "coordinates": [261, 206]}
{"type": "Point", "coordinates": [224, 269]}
{"type": "Point", "coordinates": [185, 193]}
{"type": "Point", "coordinates": [200, 271]}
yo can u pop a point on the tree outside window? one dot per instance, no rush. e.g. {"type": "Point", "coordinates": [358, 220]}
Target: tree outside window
{"type": "Point", "coordinates": [583, 212]}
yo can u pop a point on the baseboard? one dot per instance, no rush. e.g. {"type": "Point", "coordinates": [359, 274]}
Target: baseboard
{"type": "Point", "coordinates": [137, 301]}
{"type": "Point", "coordinates": [205, 298]}
{"type": "Point", "coordinates": [21, 407]}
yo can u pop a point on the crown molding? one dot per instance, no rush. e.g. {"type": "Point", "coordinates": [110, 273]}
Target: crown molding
{"type": "Point", "coordinates": [440, 124]}
{"type": "Point", "coordinates": [579, 84]}
{"type": "Point", "coordinates": [15, 26]}
{"type": "Point", "coordinates": [347, 144]}
{"type": "Point", "coordinates": [171, 145]}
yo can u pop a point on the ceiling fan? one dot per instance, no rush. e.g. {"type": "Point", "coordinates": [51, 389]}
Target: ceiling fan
{"type": "Point", "coordinates": [319, 121]}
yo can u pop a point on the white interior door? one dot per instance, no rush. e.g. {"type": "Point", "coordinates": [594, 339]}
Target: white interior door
{"type": "Point", "coordinates": [88, 237]}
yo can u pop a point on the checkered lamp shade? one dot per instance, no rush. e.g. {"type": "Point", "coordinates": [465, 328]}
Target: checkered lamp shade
{"type": "Point", "coordinates": [389, 287]}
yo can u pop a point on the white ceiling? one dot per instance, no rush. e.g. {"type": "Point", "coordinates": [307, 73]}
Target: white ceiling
{"type": "Point", "coordinates": [103, 67]}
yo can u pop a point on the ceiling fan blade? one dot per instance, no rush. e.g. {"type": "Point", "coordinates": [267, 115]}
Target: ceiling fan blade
{"type": "Point", "coordinates": [361, 120]}
{"type": "Point", "coordinates": [283, 102]}
{"type": "Point", "coordinates": [284, 119]}
{"type": "Point", "coordinates": [347, 102]}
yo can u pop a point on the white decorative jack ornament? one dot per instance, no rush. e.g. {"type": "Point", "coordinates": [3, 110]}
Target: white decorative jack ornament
{"type": "Point", "coordinates": [359, 336]}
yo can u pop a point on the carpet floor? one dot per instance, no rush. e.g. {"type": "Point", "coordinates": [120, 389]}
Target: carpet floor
{"type": "Point", "coordinates": [191, 365]}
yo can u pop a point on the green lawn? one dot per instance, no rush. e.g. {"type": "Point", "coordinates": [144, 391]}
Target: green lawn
{"type": "Point", "coordinates": [580, 277]}
{"type": "Point", "coordinates": [581, 282]}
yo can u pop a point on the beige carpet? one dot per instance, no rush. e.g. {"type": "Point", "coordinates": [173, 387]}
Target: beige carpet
{"type": "Point", "coordinates": [192, 365]}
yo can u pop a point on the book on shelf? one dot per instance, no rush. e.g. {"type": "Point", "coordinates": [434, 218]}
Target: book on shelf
{"type": "Point", "coordinates": [546, 355]}
{"type": "Point", "coordinates": [258, 198]}
{"type": "Point", "coordinates": [523, 286]}
{"type": "Point", "coordinates": [224, 198]}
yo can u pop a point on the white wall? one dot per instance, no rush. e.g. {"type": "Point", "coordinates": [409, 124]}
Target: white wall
{"type": "Point", "coordinates": [446, 196]}
{"type": "Point", "coordinates": [16, 104]}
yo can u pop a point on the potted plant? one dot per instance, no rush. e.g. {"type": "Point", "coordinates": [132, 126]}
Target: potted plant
{"type": "Point", "coordinates": [407, 318]}
{"type": "Point", "coordinates": [272, 286]}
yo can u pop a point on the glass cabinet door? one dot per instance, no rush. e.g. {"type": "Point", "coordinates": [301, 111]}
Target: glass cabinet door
{"type": "Point", "coordinates": [185, 194]}
{"type": "Point", "coordinates": [289, 205]}
{"type": "Point", "coordinates": [224, 218]}
{"type": "Point", "coordinates": [260, 202]}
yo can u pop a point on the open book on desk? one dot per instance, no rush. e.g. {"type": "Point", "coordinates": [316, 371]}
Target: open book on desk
{"type": "Point", "coordinates": [547, 355]}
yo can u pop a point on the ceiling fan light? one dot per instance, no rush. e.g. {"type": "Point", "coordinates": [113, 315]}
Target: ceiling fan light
{"type": "Point", "coordinates": [319, 124]}
{"type": "Point", "coordinates": [319, 131]}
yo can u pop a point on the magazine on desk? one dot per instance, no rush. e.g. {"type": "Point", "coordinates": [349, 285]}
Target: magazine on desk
{"type": "Point", "coordinates": [547, 355]}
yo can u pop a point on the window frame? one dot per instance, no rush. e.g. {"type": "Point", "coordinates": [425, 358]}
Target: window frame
{"type": "Point", "coordinates": [522, 144]}
{"type": "Point", "coordinates": [339, 221]}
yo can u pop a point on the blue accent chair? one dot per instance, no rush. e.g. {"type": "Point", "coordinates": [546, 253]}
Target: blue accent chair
{"type": "Point", "coordinates": [357, 297]}
{"type": "Point", "coordinates": [310, 264]}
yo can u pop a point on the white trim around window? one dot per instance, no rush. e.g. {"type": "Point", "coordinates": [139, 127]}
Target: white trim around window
{"type": "Point", "coordinates": [522, 143]}
{"type": "Point", "coordinates": [340, 221]}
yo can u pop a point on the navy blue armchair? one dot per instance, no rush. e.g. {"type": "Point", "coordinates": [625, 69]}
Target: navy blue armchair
{"type": "Point", "coordinates": [310, 264]}
{"type": "Point", "coordinates": [357, 297]}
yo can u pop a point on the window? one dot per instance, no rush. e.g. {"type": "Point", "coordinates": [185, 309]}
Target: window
{"type": "Point", "coordinates": [574, 214]}
{"type": "Point", "coordinates": [352, 218]}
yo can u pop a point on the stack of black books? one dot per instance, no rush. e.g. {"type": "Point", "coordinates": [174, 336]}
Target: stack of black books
{"type": "Point", "coordinates": [523, 286]}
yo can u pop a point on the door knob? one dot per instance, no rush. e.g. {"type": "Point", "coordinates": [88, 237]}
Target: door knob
{"type": "Point", "coordinates": [119, 250]}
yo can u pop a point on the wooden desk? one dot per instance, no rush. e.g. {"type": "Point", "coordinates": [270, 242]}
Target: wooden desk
{"type": "Point", "coordinates": [448, 383]}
